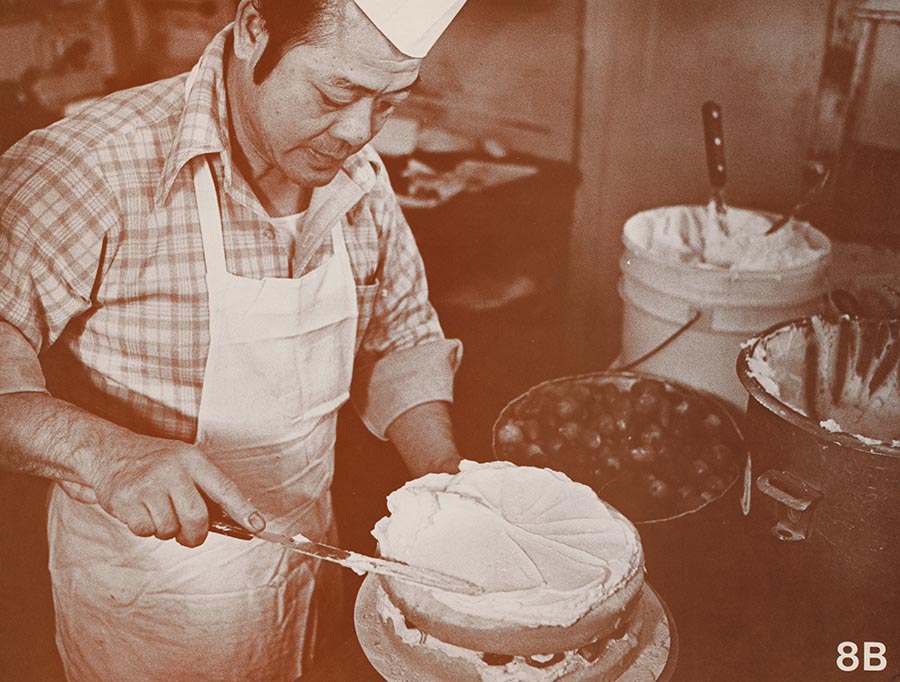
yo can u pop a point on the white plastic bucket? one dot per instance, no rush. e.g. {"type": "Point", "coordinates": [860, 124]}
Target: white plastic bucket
{"type": "Point", "coordinates": [663, 290]}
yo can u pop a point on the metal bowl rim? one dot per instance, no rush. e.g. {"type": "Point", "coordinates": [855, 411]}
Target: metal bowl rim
{"type": "Point", "coordinates": [801, 421]}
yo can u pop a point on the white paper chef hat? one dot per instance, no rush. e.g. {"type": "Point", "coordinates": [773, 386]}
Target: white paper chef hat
{"type": "Point", "coordinates": [413, 26]}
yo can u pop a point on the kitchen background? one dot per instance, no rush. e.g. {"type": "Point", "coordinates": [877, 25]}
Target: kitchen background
{"type": "Point", "coordinates": [601, 96]}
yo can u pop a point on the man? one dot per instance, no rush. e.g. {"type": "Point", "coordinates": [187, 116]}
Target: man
{"type": "Point", "coordinates": [191, 273]}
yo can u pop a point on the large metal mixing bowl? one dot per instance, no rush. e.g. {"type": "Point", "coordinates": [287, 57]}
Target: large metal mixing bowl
{"type": "Point", "coordinates": [825, 505]}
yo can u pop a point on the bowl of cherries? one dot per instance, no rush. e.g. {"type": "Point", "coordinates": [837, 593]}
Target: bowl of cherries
{"type": "Point", "coordinates": [653, 449]}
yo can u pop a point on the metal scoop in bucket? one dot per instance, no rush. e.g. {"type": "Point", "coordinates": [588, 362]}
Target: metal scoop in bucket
{"type": "Point", "coordinates": [823, 174]}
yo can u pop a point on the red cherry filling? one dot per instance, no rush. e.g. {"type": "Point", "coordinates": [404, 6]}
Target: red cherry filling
{"type": "Point", "coordinates": [497, 659]}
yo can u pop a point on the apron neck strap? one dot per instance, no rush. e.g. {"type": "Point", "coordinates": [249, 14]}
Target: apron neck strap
{"type": "Point", "coordinates": [337, 241]}
{"type": "Point", "coordinates": [210, 219]}
{"type": "Point", "coordinates": [208, 206]}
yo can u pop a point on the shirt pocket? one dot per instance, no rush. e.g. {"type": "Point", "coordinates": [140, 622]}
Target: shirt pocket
{"type": "Point", "coordinates": [366, 295]}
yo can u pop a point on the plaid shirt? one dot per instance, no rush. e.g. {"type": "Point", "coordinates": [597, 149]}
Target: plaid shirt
{"type": "Point", "coordinates": [102, 269]}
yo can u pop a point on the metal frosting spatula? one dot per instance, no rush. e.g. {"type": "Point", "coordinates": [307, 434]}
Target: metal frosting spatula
{"type": "Point", "coordinates": [714, 139]}
{"type": "Point", "coordinates": [220, 522]}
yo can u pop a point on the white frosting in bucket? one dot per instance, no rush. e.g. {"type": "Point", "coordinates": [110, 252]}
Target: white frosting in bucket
{"type": "Point", "coordinates": [544, 547]}
{"type": "Point", "coordinates": [691, 234]}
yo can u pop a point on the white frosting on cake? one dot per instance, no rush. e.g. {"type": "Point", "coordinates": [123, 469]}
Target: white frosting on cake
{"type": "Point", "coordinates": [544, 547]}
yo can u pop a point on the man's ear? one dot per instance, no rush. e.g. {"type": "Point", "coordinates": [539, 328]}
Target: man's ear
{"type": "Point", "coordinates": [250, 34]}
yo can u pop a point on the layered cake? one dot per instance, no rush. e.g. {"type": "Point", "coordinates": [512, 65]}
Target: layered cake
{"type": "Point", "coordinates": [562, 574]}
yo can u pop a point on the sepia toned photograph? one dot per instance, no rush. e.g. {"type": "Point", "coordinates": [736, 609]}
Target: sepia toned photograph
{"type": "Point", "coordinates": [449, 341]}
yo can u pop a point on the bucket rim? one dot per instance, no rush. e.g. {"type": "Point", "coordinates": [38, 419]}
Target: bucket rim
{"type": "Point", "coordinates": [818, 263]}
{"type": "Point", "coordinates": [765, 399]}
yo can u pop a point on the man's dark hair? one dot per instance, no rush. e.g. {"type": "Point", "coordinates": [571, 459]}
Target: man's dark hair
{"type": "Point", "coordinates": [289, 23]}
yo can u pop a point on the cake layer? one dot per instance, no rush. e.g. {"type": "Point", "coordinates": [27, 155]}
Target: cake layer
{"type": "Point", "coordinates": [558, 565]}
{"type": "Point", "coordinates": [603, 660]}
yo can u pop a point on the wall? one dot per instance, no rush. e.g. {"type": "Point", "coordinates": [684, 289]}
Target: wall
{"type": "Point", "coordinates": [507, 69]}
{"type": "Point", "coordinates": [160, 39]}
{"type": "Point", "coordinates": [132, 41]}
{"type": "Point", "coordinates": [649, 66]}
{"type": "Point", "coordinates": [879, 123]}
{"type": "Point", "coordinates": [41, 45]}
{"type": "Point", "coordinates": [19, 49]}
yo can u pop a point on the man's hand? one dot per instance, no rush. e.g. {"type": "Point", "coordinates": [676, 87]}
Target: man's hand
{"type": "Point", "coordinates": [153, 487]}
{"type": "Point", "coordinates": [423, 436]}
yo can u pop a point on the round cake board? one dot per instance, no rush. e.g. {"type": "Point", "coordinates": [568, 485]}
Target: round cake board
{"type": "Point", "coordinates": [654, 662]}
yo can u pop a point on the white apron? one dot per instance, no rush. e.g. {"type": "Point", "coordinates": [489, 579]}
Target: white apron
{"type": "Point", "coordinates": [279, 367]}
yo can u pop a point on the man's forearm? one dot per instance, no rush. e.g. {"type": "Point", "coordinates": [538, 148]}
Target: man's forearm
{"type": "Point", "coordinates": [154, 486]}
{"type": "Point", "coordinates": [39, 434]}
{"type": "Point", "coordinates": [423, 435]}
{"type": "Point", "coordinates": [48, 437]}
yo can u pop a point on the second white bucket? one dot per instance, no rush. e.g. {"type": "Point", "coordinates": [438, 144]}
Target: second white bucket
{"type": "Point", "coordinates": [665, 284]}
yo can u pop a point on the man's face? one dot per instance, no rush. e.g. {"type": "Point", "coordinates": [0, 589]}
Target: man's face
{"type": "Point", "coordinates": [323, 102]}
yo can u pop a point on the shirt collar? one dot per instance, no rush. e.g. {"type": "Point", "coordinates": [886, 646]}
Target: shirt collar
{"type": "Point", "coordinates": [203, 126]}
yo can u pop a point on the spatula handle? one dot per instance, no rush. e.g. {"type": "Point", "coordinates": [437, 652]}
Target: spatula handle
{"type": "Point", "coordinates": [223, 524]}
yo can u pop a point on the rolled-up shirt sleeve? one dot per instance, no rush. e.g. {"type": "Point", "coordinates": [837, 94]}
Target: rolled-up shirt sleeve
{"type": "Point", "coordinates": [54, 215]}
{"type": "Point", "coordinates": [20, 369]}
{"type": "Point", "coordinates": [404, 359]}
